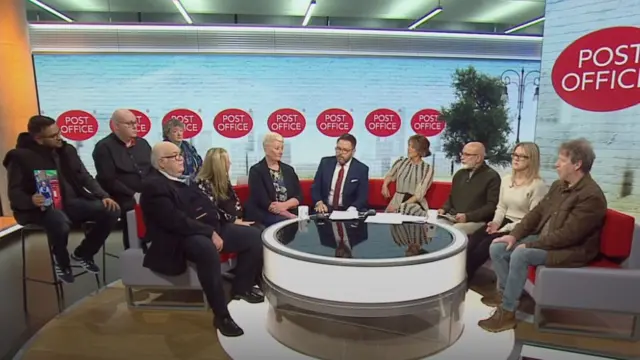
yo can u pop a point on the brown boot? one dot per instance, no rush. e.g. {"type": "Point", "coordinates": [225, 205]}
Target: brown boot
{"type": "Point", "coordinates": [501, 320]}
{"type": "Point", "coordinates": [493, 300]}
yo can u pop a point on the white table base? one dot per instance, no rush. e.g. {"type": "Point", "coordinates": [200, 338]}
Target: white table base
{"type": "Point", "coordinates": [474, 343]}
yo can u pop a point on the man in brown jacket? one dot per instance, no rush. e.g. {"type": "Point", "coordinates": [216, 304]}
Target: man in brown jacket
{"type": "Point", "coordinates": [562, 231]}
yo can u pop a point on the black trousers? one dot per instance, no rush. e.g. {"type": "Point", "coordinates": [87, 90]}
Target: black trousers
{"type": "Point", "coordinates": [57, 224]}
{"type": "Point", "coordinates": [246, 241]}
{"type": "Point", "coordinates": [478, 248]}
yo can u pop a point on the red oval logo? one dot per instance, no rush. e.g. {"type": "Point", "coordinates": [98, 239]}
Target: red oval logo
{"type": "Point", "coordinates": [383, 122]}
{"type": "Point", "coordinates": [143, 125]}
{"type": "Point", "coordinates": [334, 122]}
{"type": "Point", "coordinates": [427, 122]}
{"type": "Point", "coordinates": [233, 123]}
{"type": "Point", "coordinates": [77, 125]}
{"type": "Point", "coordinates": [600, 71]}
{"type": "Point", "coordinates": [287, 122]}
{"type": "Point", "coordinates": [191, 120]}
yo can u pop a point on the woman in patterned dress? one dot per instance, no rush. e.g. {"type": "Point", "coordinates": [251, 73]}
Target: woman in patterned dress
{"type": "Point", "coordinates": [413, 177]}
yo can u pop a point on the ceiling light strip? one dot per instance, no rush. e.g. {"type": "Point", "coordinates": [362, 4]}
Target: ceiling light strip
{"type": "Point", "coordinates": [51, 10]}
{"type": "Point", "coordinates": [119, 50]}
{"type": "Point", "coordinates": [426, 18]}
{"type": "Point", "coordinates": [309, 13]}
{"type": "Point", "coordinates": [183, 11]}
{"type": "Point", "coordinates": [524, 25]}
{"type": "Point", "coordinates": [282, 30]}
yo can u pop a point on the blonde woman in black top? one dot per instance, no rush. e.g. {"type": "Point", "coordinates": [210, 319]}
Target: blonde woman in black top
{"type": "Point", "coordinates": [213, 180]}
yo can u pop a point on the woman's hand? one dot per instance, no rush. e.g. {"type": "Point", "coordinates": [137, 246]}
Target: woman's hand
{"type": "Point", "coordinates": [281, 206]}
{"type": "Point", "coordinates": [385, 191]}
{"type": "Point", "coordinates": [243, 223]}
{"type": "Point", "coordinates": [492, 227]}
{"type": "Point", "coordinates": [273, 207]}
{"type": "Point", "coordinates": [288, 215]}
{"type": "Point", "coordinates": [390, 208]}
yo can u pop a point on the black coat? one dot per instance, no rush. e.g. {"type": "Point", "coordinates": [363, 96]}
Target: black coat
{"type": "Point", "coordinates": [173, 211]}
{"type": "Point", "coordinates": [262, 192]}
{"type": "Point", "coordinates": [29, 156]}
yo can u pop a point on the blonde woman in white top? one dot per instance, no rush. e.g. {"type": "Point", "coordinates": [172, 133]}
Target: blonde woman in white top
{"type": "Point", "coordinates": [520, 192]}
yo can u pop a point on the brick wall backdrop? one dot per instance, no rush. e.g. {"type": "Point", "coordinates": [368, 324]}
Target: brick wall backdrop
{"type": "Point", "coordinates": [156, 84]}
{"type": "Point", "coordinates": [615, 135]}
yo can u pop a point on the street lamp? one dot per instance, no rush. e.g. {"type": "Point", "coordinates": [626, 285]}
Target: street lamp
{"type": "Point", "coordinates": [522, 80]}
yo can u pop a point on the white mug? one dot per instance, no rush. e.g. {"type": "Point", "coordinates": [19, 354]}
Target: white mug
{"type": "Point", "coordinates": [302, 226]}
{"type": "Point", "coordinates": [303, 212]}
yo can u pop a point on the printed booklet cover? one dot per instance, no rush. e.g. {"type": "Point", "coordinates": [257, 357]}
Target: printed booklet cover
{"type": "Point", "coordinates": [49, 187]}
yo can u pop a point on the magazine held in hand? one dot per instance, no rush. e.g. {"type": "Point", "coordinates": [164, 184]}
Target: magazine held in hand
{"type": "Point", "coordinates": [48, 186]}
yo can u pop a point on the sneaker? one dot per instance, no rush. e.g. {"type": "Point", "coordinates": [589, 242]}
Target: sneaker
{"type": "Point", "coordinates": [86, 264]}
{"type": "Point", "coordinates": [64, 274]}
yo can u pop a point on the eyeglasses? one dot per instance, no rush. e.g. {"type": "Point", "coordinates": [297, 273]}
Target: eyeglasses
{"type": "Point", "coordinates": [466, 154]}
{"type": "Point", "coordinates": [173, 157]}
{"type": "Point", "coordinates": [52, 136]}
{"type": "Point", "coordinates": [343, 150]}
{"type": "Point", "coordinates": [130, 124]}
{"type": "Point", "coordinates": [519, 157]}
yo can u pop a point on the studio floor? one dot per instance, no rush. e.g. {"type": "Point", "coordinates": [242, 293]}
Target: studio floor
{"type": "Point", "coordinates": [99, 325]}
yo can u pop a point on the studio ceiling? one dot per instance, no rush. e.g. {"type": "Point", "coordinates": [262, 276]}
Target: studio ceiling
{"type": "Point", "coordinates": [461, 15]}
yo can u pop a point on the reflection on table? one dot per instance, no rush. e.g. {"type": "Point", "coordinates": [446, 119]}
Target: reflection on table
{"type": "Point", "coordinates": [360, 240]}
{"type": "Point", "coordinates": [412, 237]}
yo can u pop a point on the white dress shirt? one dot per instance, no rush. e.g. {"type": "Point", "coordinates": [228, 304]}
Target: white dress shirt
{"type": "Point", "coordinates": [334, 179]}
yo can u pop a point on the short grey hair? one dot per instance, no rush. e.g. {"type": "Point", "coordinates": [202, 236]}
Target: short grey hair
{"type": "Point", "coordinates": [579, 150]}
{"type": "Point", "coordinates": [170, 125]}
{"type": "Point", "coordinates": [155, 159]}
{"type": "Point", "coordinates": [271, 137]}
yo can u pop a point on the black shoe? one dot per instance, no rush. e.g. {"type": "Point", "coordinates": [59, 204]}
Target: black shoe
{"type": "Point", "coordinates": [87, 264]}
{"type": "Point", "coordinates": [227, 327]}
{"type": "Point", "coordinates": [64, 274]}
{"type": "Point", "coordinates": [253, 296]}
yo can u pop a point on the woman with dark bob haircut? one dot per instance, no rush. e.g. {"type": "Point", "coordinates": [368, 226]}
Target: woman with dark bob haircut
{"type": "Point", "coordinates": [413, 177]}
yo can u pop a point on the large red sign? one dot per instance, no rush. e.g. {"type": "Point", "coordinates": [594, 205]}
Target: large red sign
{"type": "Point", "coordinates": [427, 122]}
{"type": "Point", "coordinates": [287, 122]}
{"type": "Point", "coordinates": [383, 122]}
{"type": "Point", "coordinates": [143, 123]}
{"type": "Point", "coordinates": [334, 122]}
{"type": "Point", "coordinates": [77, 125]}
{"type": "Point", "coordinates": [233, 123]}
{"type": "Point", "coordinates": [191, 120]}
{"type": "Point", "coordinates": [601, 70]}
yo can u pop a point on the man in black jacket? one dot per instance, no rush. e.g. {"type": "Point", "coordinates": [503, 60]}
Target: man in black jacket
{"type": "Point", "coordinates": [122, 161]}
{"type": "Point", "coordinates": [42, 148]}
{"type": "Point", "coordinates": [183, 224]}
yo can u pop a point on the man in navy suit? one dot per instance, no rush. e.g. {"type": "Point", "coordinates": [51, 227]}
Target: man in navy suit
{"type": "Point", "coordinates": [341, 181]}
{"type": "Point", "coordinates": [342, 236]}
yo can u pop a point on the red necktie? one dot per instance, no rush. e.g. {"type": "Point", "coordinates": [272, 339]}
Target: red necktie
{"type": "Point", "coordinates": [336, 191]}
{"type": "Point", "coordinates": [340, 232]}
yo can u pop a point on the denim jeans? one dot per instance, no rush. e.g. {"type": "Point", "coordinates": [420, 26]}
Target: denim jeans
{"type": "Point", "coordinates": [511, 267]}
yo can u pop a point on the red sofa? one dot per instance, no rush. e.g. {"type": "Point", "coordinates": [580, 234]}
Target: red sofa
{"type": "Point", "coordinates": [616, 239]}
{"type": "Point", "coordinates": [436, 196]}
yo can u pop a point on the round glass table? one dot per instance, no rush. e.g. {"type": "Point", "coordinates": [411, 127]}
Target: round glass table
{"type": "Point", "coordinates": [352, 290]}
{"type": "Point", "coordinates": [359, 263]}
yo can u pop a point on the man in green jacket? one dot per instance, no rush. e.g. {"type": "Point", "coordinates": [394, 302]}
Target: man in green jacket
{"type": "Point", "coordinates": [475, 190]}
{"type": "Point", "coordinates": [562, 231]}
